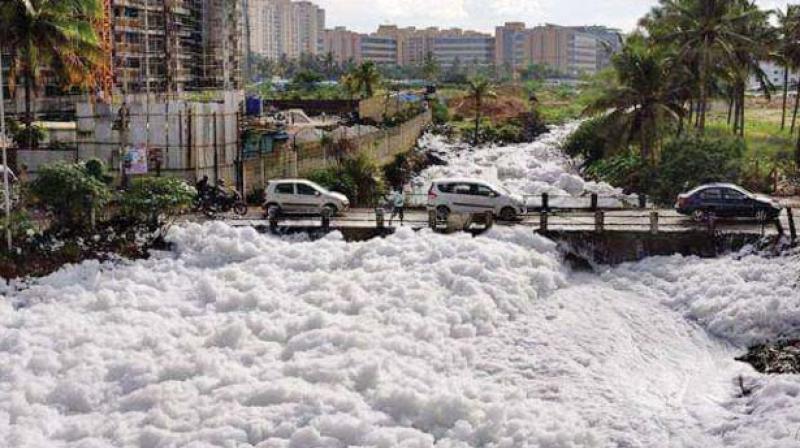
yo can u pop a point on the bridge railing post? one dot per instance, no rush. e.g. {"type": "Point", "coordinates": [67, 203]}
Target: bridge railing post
{"type": "Point", "coordinates": [545, 202]}
{"type": "Point", "coordinates": [642, 200]}
{"type": "Point", "coordinates": [326, 219]}
{"type": "Point", "coordinates": [272, 216]}
{"type": "Point", "coordinates": [594, 202]}
{"type": "Point", "coordinates": [488, 220]}
{"type": "Point", "coordinates": [543, 222]}
{"type": "Point", "coordinates": [654, 223]}
{"type": "Point", "coordinates": [792, 227]}
{"type": "Point", "coordinates": [711, 222]}
{"type": "Point", "coordinates": [432, 219]}
{"type": "Point", "coordinates": [379, 218]}
{"type": "Point", "coordinates": [599, 221]}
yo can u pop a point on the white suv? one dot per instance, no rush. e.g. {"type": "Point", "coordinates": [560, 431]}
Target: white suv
{"type": "Point", "coordinates": [473, 196]}
{"type": "Point", "coordinates": [302, 196]}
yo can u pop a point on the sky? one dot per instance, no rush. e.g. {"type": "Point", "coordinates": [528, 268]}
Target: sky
{"type": "Point", "coordinates": [484, 15]}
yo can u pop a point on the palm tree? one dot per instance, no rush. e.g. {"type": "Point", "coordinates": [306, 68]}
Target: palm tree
{"type": "Point", "coordinates": [478, 89]}
{"type": "Point", "coordinates": [58, 34]}
{"type": "Point", "coordinates": [746, 57]}
{"type": "Point", "coordinates": [644, 97]}
{"type": "Point", "coordinates": [366, 78]}
{"type": "Point", "coordinates": [430, 67]}
{"type": "Point", "coordinates": [705, 31]}
{"type": "Point", "coordinates": [788, 48]}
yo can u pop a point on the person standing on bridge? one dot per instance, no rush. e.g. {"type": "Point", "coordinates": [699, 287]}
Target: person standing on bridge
{"type": "Point", "coordinates": [398, 201]}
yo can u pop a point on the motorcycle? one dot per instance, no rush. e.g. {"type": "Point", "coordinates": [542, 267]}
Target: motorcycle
{"type": "Point", "coordinates": [223, 202]}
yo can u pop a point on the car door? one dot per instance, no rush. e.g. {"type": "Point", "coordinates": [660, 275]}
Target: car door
{"type": "Point", "coordinates": [485, 198]}
{"type": "Point", "coordinates": [284, 196]}
{"type": "Point", "coordinates": [463, 200]}
{"type": "Point", "coordinates": [711, 200]}
{"type": "Point", "coordinates": [308, 198]}
{"type": "Point", "coordinates": [737, 203]}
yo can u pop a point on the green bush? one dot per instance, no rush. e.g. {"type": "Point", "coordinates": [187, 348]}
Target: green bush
{"type": "Point", "coordinates": [590, 141]}
{"type": "Point", "coordinates": [441, 114]}
{"type": "Point", "coordinates": [21, 227]}
{"type": "Point", "coordinates": [97, 169]}
{"type": "Point", "coordinates": [69, 192]}
{"type": "Point", "coordinates": [357, 176]}
{"type": "Point", "coordinates": [152, 199]}
{"type": "Point", "coordinates": [693, 160]}
{"type": "Point", "coordinates": [622, 170]}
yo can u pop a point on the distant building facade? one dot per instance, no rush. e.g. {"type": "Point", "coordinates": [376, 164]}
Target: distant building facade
{"type": "Point", "coordinates": [283, 28]}
{"type": "Point", "coordinates": [572, 51]}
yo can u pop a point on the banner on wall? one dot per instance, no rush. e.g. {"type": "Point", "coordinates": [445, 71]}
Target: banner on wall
{"type": "Point", "coordinates": [136, 160]}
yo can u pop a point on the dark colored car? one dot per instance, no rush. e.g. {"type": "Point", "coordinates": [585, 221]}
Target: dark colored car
{"type": "Point", "coordinates": [726, 200]}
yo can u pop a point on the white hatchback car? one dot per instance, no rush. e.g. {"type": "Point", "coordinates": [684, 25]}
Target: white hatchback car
{"type": "Point", "coordinates": [473, 196]}
{"type": "Point", "coordinates": [303, 196]}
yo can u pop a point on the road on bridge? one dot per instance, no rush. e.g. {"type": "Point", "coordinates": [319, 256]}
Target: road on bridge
{"type": "Point", "coordinates": [622, 220]}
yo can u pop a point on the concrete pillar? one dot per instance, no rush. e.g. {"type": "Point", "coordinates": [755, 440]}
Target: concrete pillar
{"type": "Point", "coordinates": [379, 218]}
{"type": "Point", "coordinates": [326, 218]}
{"type": "Point", "coordinates": [599, 221]}
{"type": "Point", "coordinates": [654, 223]}
{"type": "Point", "coordinates": [432, 218]}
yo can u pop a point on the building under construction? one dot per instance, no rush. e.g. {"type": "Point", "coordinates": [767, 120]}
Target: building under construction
{"type": "Point", "coordinates": [161, 46]}
{"type": "Point", "coordinates": [172, 46]}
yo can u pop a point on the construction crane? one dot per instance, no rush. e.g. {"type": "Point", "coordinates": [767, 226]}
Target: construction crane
{"type": "Point", "coordinates": [105, 70]}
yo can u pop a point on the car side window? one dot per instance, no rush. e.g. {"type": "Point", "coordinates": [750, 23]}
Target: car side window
{"type": "Point", "coordinates": [284, 189]}
{"type": "Point", "coordinates": [306, 190]}
{"type": "Point", "coordinates": [711, 194]}
{"type": "Point", "coordinates": [462, 189]}
{"type": "Point", "coordinates": [483, 190]}
{"type": "Point", "coordinates": [446, 188]}
{"type": "Point", "coordinates": [733, 194]}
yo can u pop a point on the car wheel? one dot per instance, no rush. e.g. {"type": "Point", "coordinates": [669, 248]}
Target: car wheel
{"type": "Point", "coordinates": [508, 214]}
{"type": "Point", "coordinates": [330, 210]}
{"type": "Point", "coordinates": [699, 215]}
{"type": "Point", "coordinates": [762, 215]}
{"type": "Point", "coordinates": [442, 213]}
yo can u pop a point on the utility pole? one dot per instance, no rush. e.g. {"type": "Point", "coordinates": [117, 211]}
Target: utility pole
{"type": "Point", "coordinates": [4, 142]}
{"type": "Point", "coordinates": [147, 73]}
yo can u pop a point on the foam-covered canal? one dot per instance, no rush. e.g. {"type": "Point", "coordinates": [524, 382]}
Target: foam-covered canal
{"type": "Point", "coordinates": [238, 339]}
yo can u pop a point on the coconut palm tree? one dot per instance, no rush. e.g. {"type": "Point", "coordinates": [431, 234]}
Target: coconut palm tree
{"type": "Point", "coordinates": [746, 56]}
{"type": "Point", "coordinates": [57, 34]}
{"type": "Point", "coordinates": [704, 31]}
{"type": "Point", "coordinates": [644, 97]}
{"type": "Point", "coordinates": [787, 52]}
{"type": "Point", "coordinates": [367, 78]}
{"type": "Point", "coordinates": [478, 89]}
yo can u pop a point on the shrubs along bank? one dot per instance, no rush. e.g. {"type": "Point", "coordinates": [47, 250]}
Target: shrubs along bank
{"type": "Point", "coordinates": [681, 162]}
{"type": "Point", "coordinates": [71, 213]}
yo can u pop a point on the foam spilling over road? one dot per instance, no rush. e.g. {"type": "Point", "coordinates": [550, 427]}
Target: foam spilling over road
{"type": "Point", "coordinates": [418, 340]}
{"type": "Point", "coordinates": [527, 169]}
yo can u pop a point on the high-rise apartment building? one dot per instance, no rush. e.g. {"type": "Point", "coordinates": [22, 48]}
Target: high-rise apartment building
{"type": "Point", "coordinates": [175, 46]}
{"type": "Point", "coordinates": [571, 51]}
{"type": "Point", "coordinates": [342, 44]}
{"type": "Point", "coordinates": [446, 46]}
{"type": "Point", "coordinates": [281, 28]}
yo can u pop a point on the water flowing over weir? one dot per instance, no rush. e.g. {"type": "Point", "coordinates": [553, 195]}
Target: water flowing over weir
{"type": "Point", "coordinates": [238, 339]}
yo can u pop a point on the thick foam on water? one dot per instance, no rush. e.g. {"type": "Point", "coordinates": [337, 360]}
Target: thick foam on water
{"type": "Point", "coordinates": [416, 340]}
{"type": "Point", "coordinates": [526, 169]}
